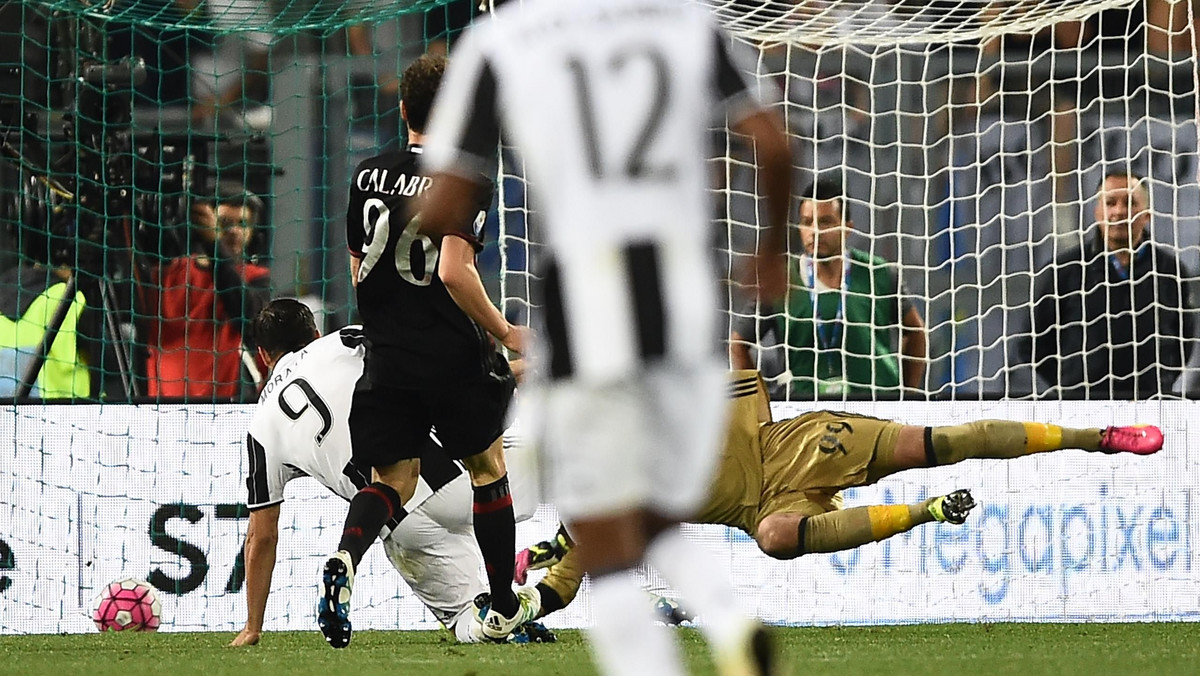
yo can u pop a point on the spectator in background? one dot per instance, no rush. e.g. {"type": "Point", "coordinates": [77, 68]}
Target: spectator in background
{"type": "Point", "coordinates": [846, 320]}
{"type": "Point", "coordinates": [1110, 319]}
{"type": "Point", "coordinates": [205, 301]}
{"type": "Point", "coordinates": [29, 297]}
{"type": "Point", "coordinates": [237, 68]}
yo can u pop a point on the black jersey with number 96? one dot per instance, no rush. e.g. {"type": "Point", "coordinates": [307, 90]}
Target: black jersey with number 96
{"type": "Point", "coordinates": [416, 334]}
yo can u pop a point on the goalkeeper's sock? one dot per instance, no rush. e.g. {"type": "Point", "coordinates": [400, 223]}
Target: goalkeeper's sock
{"type": "Point", "coordinates": [562, 538]}
{"type": "Point", "coordinates": [552, 602]}
{"type": "Point", "coordinates": [1003, 439]}
{"type": "Point", "coordinates": [496, 533]}
{"type": "Point", "coordinates": [624, 636]}
{"type": "Point", "coordinates": [563, 579]}
{"type": "Point", "coordinates": [703, 585]}
{"type": "Point", "coordinates": [849, 528]}
{"type": "Point", "coordinates": [370, 509]}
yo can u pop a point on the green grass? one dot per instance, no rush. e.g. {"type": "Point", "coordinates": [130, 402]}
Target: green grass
{"type": "Point", "coordinates": [958, 649]}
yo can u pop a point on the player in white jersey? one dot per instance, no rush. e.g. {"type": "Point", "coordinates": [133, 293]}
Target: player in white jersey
{"type": "Point", "coordinates": [300, 428]}
{"type": "Point", "coordinates": [609, 104]}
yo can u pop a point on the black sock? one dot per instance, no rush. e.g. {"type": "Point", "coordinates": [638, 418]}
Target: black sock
{"type": "Point", "coordinates": [496, 532]}
{"type": "Point", "coordinates": [370, 509]}
{"type": "Point", "coordinates": [551, 601]}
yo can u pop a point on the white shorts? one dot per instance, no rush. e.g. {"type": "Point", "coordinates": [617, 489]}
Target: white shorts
{"type": "Point", "coordinates": [650, 442]}
{"type": "Point", "coordinates": [435, 551]}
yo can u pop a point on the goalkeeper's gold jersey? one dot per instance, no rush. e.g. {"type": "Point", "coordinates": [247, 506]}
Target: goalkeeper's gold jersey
{"type": "Point", "coordinates": [737, 485]}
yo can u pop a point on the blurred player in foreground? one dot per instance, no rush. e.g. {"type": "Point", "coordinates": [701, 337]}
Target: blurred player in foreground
{"type": "Point", "coordinates": [609, 105]}
{"type": "Point", "coordinates": [780, 481]}
{"type": "Point", "coordinates": [300, 428]}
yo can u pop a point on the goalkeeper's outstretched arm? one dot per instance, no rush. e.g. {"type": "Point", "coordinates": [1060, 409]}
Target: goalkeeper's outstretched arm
{"type": "Point", "coordinates": [261, 539]}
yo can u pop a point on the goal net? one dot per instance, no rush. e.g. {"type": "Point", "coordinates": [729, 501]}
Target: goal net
{"type": "Point", "coordinates": [969, 138]}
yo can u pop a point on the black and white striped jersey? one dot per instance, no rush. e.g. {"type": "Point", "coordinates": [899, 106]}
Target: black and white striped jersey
{"type": "Point", "coordinates": [301, 426]}
{"type": "Point", "coordinates": [609, 104]}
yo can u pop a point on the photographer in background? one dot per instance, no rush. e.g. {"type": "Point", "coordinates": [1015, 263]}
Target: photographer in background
{"type": "Point", "coordinates": [202, 302]}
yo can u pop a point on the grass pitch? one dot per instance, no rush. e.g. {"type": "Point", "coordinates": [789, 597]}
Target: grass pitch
{"type": "Point", "coordinates": [965, 649]}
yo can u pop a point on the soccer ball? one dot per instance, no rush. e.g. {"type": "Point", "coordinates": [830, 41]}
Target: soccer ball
{"type": "Point", "coordinates": [127, 604]}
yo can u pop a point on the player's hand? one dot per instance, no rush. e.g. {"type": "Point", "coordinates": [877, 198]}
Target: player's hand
{"type": "Point", "coordinates": [517, 366]}
{"type": "Point", "coordinates": [516, 338]}
{"type": "Point", "coordinates": [245, 637]}
{"type": "Point", "coordinates": [770, 276]}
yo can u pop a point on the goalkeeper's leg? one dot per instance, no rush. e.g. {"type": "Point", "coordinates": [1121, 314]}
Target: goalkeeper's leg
{"type": "Point", "coordinates": [786, 535]}
{"type": "Point", "coordinates": [931, 446]}
{"type": "Point", "coordinates": [543, 554]}
{"type": "Point", "coordinates": [561, 583]}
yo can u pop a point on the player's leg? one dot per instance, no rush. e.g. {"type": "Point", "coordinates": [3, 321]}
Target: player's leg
{"type": "Point", "coordinates": [543, 554]}
{"type": "Point", "coordinates": [441, 564]}
{"type": "Point", "coordinates": [521, 464]}
{"type": "Point", "coordinates": [561, 583]}
{"type": "Point", "coordinates": [387, 432]}
{"type": "Point", "coordinates": [470, 423]}
{"type": "Point", "coordinates": [376, 504]}
{"type": "Point", "coordinates": [624, 637]}
{"type": "Point", "coordinates": [805, 528]}
{"type": "Point", "coordinates": [931, 446]}
{"type": "Point", "coordinates": [690, 409]}
{"type": "Point", "coordinates": [595, 449]}
{"type": "Point", "coordinates": [494, 522]}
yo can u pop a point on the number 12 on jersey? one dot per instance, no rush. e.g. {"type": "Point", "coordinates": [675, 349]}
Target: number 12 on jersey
{"type": "Point", "coordinates": [633, 163]}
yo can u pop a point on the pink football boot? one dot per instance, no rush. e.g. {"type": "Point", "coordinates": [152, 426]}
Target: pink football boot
{"type": "Point", "coordinates": [1137, 439]}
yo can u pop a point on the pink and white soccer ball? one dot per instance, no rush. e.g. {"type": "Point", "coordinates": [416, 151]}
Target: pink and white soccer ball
{"type": "Point", "coordinates": [128, 604]}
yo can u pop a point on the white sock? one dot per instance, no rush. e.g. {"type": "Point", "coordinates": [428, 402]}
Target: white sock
{"type": "Point", "coordinates": [704, 587]}
{"type": "Point", "coordinates": [625, 640]}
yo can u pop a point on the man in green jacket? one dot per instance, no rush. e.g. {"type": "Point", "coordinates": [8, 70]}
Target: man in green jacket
{"type": "Point", "coordinates": [847, 325]}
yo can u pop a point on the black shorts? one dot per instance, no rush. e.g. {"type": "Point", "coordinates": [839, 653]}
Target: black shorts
{"type": "Point", "coordinates": [390, 424]}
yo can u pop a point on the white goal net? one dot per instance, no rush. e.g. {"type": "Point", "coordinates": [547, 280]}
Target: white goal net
{"type": "Point", "coordinates": [970, 138]}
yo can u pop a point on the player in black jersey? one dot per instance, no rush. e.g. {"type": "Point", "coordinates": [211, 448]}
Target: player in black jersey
{"type": "Point", "coordinates": [431, 363]}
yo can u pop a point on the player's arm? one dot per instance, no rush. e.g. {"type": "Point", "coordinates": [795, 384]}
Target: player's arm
{"type": "Point", "coordinates": [913, 348]}
{"type": "Point", "coordinates": [462, 139]}
{"type": "Point", "coordinates": [765, 129]}
{"type": "Point", "coordinates": [448, 203]}
{"type": "Point", "coordinates": [739, 352]}
{"type": "Point", "coordinates": [456, 268]}
{"type": "Point", "coordinates": [355, 234]}
{"type": "Point", "coordinates": [261, 539]}
{"type": "Point", "coordinates": [913, 341]}
{"type": "Point", "coordinates": [742, 333]}
{"type": "Point", "coordinates": [749, 117]}
{"type": "Point", "coordinates": [775, 178]}
{"type": "Point", "coordinates": [264, 496]}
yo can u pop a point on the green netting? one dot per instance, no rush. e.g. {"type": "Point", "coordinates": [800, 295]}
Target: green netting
{"type": "Point", "coordinates": [280, 17]}
{"type": "Point", "coordinates": [133, 134]}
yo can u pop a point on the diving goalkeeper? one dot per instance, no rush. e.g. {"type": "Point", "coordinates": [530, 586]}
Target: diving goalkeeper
{"type": "Point", "coordinates": [780, 482]}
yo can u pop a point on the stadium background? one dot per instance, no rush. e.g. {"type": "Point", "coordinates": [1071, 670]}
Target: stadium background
{"type": "Point", "coordinates": [970, 153]}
